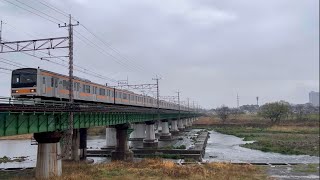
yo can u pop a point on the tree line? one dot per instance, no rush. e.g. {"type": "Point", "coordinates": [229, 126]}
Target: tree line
{"type": "Point", "coordinates": [274, 111]}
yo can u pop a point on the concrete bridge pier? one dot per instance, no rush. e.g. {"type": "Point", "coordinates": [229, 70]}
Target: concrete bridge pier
{"type": "Point", "coordinates": [139, 132]}
{"type": "Point", "coordinates": [190, 122]}
{"type": "Point", "coordinates": [159, 127]}
{"type": "Point", "coordinates": [111, 139]}
{"type": "Point", "coordinates": [48, 155]}
{"type": "Point", "coordinates": [150, 140]}
{"type": "Point", "coordinates": [83, 143]}
{"type": "Point", "coordinates": [185, 123]}
{"type": "Point", "coordinates": [75, 151]}
{"type": "Point", "coordinates": [122, 151]}
{"type": "Point", "coordinates": [181, 125]}
{"type": "Point", "coordinates": [174, 127]}
{"type": "Point", "coordinates": [165, 133]}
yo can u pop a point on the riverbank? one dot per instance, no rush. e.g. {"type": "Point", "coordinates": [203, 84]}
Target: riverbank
{"type": "Point", "coordinates": [151, 169]}
{"type": "Point", "coordinates": [288, 137]}
{"type": "Point", "coordinates": [17, 137]}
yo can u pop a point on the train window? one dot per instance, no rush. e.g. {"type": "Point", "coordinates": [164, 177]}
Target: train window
{"type": "Point", "coordinates": [102, 91]}
{"type": "Point", "coordinates": [83, 88]}
{"type": "Point", "coordinates": [43, 80]}
{"type": "Point", "coordinates": [64, 84]}
{"type": "Point", "coordinates": [124, 96]}
{"type": "Point", "coordinates": [87, 88]}
{"type": "Point", "coordinates": [112, 93]}
{"type": "Point", "coordinates": [55, 82]}
{"type": "Point", "coordinates": [52, 82]}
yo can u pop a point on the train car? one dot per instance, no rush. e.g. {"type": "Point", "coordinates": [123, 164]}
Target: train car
{"type": "Point", "coordinates": [39, 83]}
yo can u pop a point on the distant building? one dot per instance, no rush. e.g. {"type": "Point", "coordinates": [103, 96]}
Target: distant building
{"type": "Point", "coordinates": [314, 98]}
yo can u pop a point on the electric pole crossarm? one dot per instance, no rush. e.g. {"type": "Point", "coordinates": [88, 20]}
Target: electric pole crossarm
{"type": "Point", "coordinates": [32, 45]}
{"type": "Point", "coordinates": [140, 86]}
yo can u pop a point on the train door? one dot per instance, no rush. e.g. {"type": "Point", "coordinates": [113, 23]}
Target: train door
{"type": "Point", "coordinates": [54, 86]}
{"type": "Point", "coordinates": [59, 88]}
{"type": "Point", "coordinates": [44, 87]}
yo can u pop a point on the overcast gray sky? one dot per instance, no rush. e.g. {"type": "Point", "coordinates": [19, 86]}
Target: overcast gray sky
{"type": "Point", "coordinates": [208, 49]}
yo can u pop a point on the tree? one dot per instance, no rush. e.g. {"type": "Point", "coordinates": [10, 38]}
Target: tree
{"type": "Point", "coordinates": [274, 111]}
{"type": "Point", "coordinates": [223, 112]}
{"type": "Point", "coordinates": [301, 112]}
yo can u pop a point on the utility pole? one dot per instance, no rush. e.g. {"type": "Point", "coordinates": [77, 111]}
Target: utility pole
{"type": "Point", "coordinates": [158, 96]}
{"type": "Point", "coordinates": [237, 100]}
{"type": "Point", "coordinates": [72, 135]}
{"type": "Point", "coordinates": [192, 105]}
{"type": "Point", "coordinates": [257, 100]}
{"type": "Point", "coordinates": [46, 44]}
{"type": "Point", "coordinates": [0, 31]}
{"type": "Point", "coordinates": [178, 92]}
{"type": "Point", "coordinates": [188, 104]}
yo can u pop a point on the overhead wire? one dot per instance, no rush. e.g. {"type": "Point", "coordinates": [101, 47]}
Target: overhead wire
{"type": "Point", "coordinates": [86, 39]}
{"type": "Point", "coordinates": [91, 72]}
{"type": "Point", "coordinates": [96, 36]}
{"type": "Point", "coordinates": [31, 11]}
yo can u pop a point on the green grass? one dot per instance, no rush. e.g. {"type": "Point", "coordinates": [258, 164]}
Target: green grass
{"type": "Point", "coordinates": [309, 168]}
{"type": "Point", "coordinates": [280, 139]}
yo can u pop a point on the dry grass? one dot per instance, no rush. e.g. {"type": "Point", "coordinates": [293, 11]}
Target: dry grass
{"type": "Point", "coordinates": [242, 119]}
{"type": "Point", "coordinates": [17, 137]}
{"type": "Point", "coordinates": [293, 129]}
{"type": "Point", "coordinates": [159, 169]}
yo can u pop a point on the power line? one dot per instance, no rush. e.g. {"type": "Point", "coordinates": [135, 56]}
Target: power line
{"type": "Point", "coordinates": [101, 50]}
{"type": "Point", "coordinates": [39, 11]}
{"type": "Point", "coordinates": [109, 46]}
{"type": "Point", "coordinates": [31, 12]}
{"type": "Point", "coordinates": [53, 8]}
{"type": "Point", "coordinates": [97, 37]}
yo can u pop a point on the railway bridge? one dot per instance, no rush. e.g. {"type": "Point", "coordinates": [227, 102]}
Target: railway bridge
{"type": "Point", "coordinates": [47, 120]}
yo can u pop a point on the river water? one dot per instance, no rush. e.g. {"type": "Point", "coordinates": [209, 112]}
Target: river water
{"type": "Point", "coordinates": [220, 147]}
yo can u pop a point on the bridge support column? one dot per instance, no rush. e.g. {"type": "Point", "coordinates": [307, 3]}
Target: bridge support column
{"type": "Point", "coordinates": [75, 151]}
{"type": "Point", "coordinates": [139, 132]}
{"type": "Point", "coordinates": [185, 123]}
{"type": "Point", "coordinates": [189, 122]}
{"type": "Point", "coordinates": [165, 134]}
{"type": "Point", "coordinates": [180, 125]}
{"type": "Point", "coordinates": [83, 143]}
{"type": "Point", "coordinates": [122, 152]}
{"type": "Point", "coordinates": [174, 127]}
{"type": "Point", "coordinates": [111, 139]}
{"type": "Point", "coordinates": [150, 140]}
{"type": "Point", "coordinates": [159, 127]}
{"type": "Point", "coordinates": [49, 155]}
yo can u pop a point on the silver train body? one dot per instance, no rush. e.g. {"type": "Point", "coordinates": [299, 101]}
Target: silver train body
{"type": "Point", "coordinates": [39, 83]}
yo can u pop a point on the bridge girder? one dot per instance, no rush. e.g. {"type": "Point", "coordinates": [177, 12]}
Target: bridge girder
{"type": "Point", "coordinates": [15, 123]}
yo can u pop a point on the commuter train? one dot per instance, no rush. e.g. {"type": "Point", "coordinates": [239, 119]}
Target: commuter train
{"type": "Point", "coordinates": [39, 83]}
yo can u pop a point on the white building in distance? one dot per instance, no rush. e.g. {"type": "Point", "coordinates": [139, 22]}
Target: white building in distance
{"type": "Point", "coordinates": [314, 98]}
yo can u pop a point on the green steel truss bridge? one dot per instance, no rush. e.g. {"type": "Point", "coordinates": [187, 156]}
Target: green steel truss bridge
{"type": "Point", "coordinates": [34, 116]}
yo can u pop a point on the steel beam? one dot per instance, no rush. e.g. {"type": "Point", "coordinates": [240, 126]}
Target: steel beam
{"type": "Point", "coordinates": [14, 123]}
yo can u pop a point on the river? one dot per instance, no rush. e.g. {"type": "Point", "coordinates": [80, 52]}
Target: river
{"type": "Point", "coordinates": [220, 147]}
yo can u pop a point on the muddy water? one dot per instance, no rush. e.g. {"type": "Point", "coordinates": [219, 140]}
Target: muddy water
{"type": "Point", "coordinates": [222, 147]}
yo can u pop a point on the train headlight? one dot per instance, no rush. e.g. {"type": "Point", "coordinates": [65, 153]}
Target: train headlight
{"type": "Point", "coordinates": [32, 90]}
{"type": "Point", "coordinates": [14, 91]}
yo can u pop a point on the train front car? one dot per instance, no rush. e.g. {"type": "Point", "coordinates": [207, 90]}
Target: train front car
{"type": "Point", "coordinates": [24, 82]}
